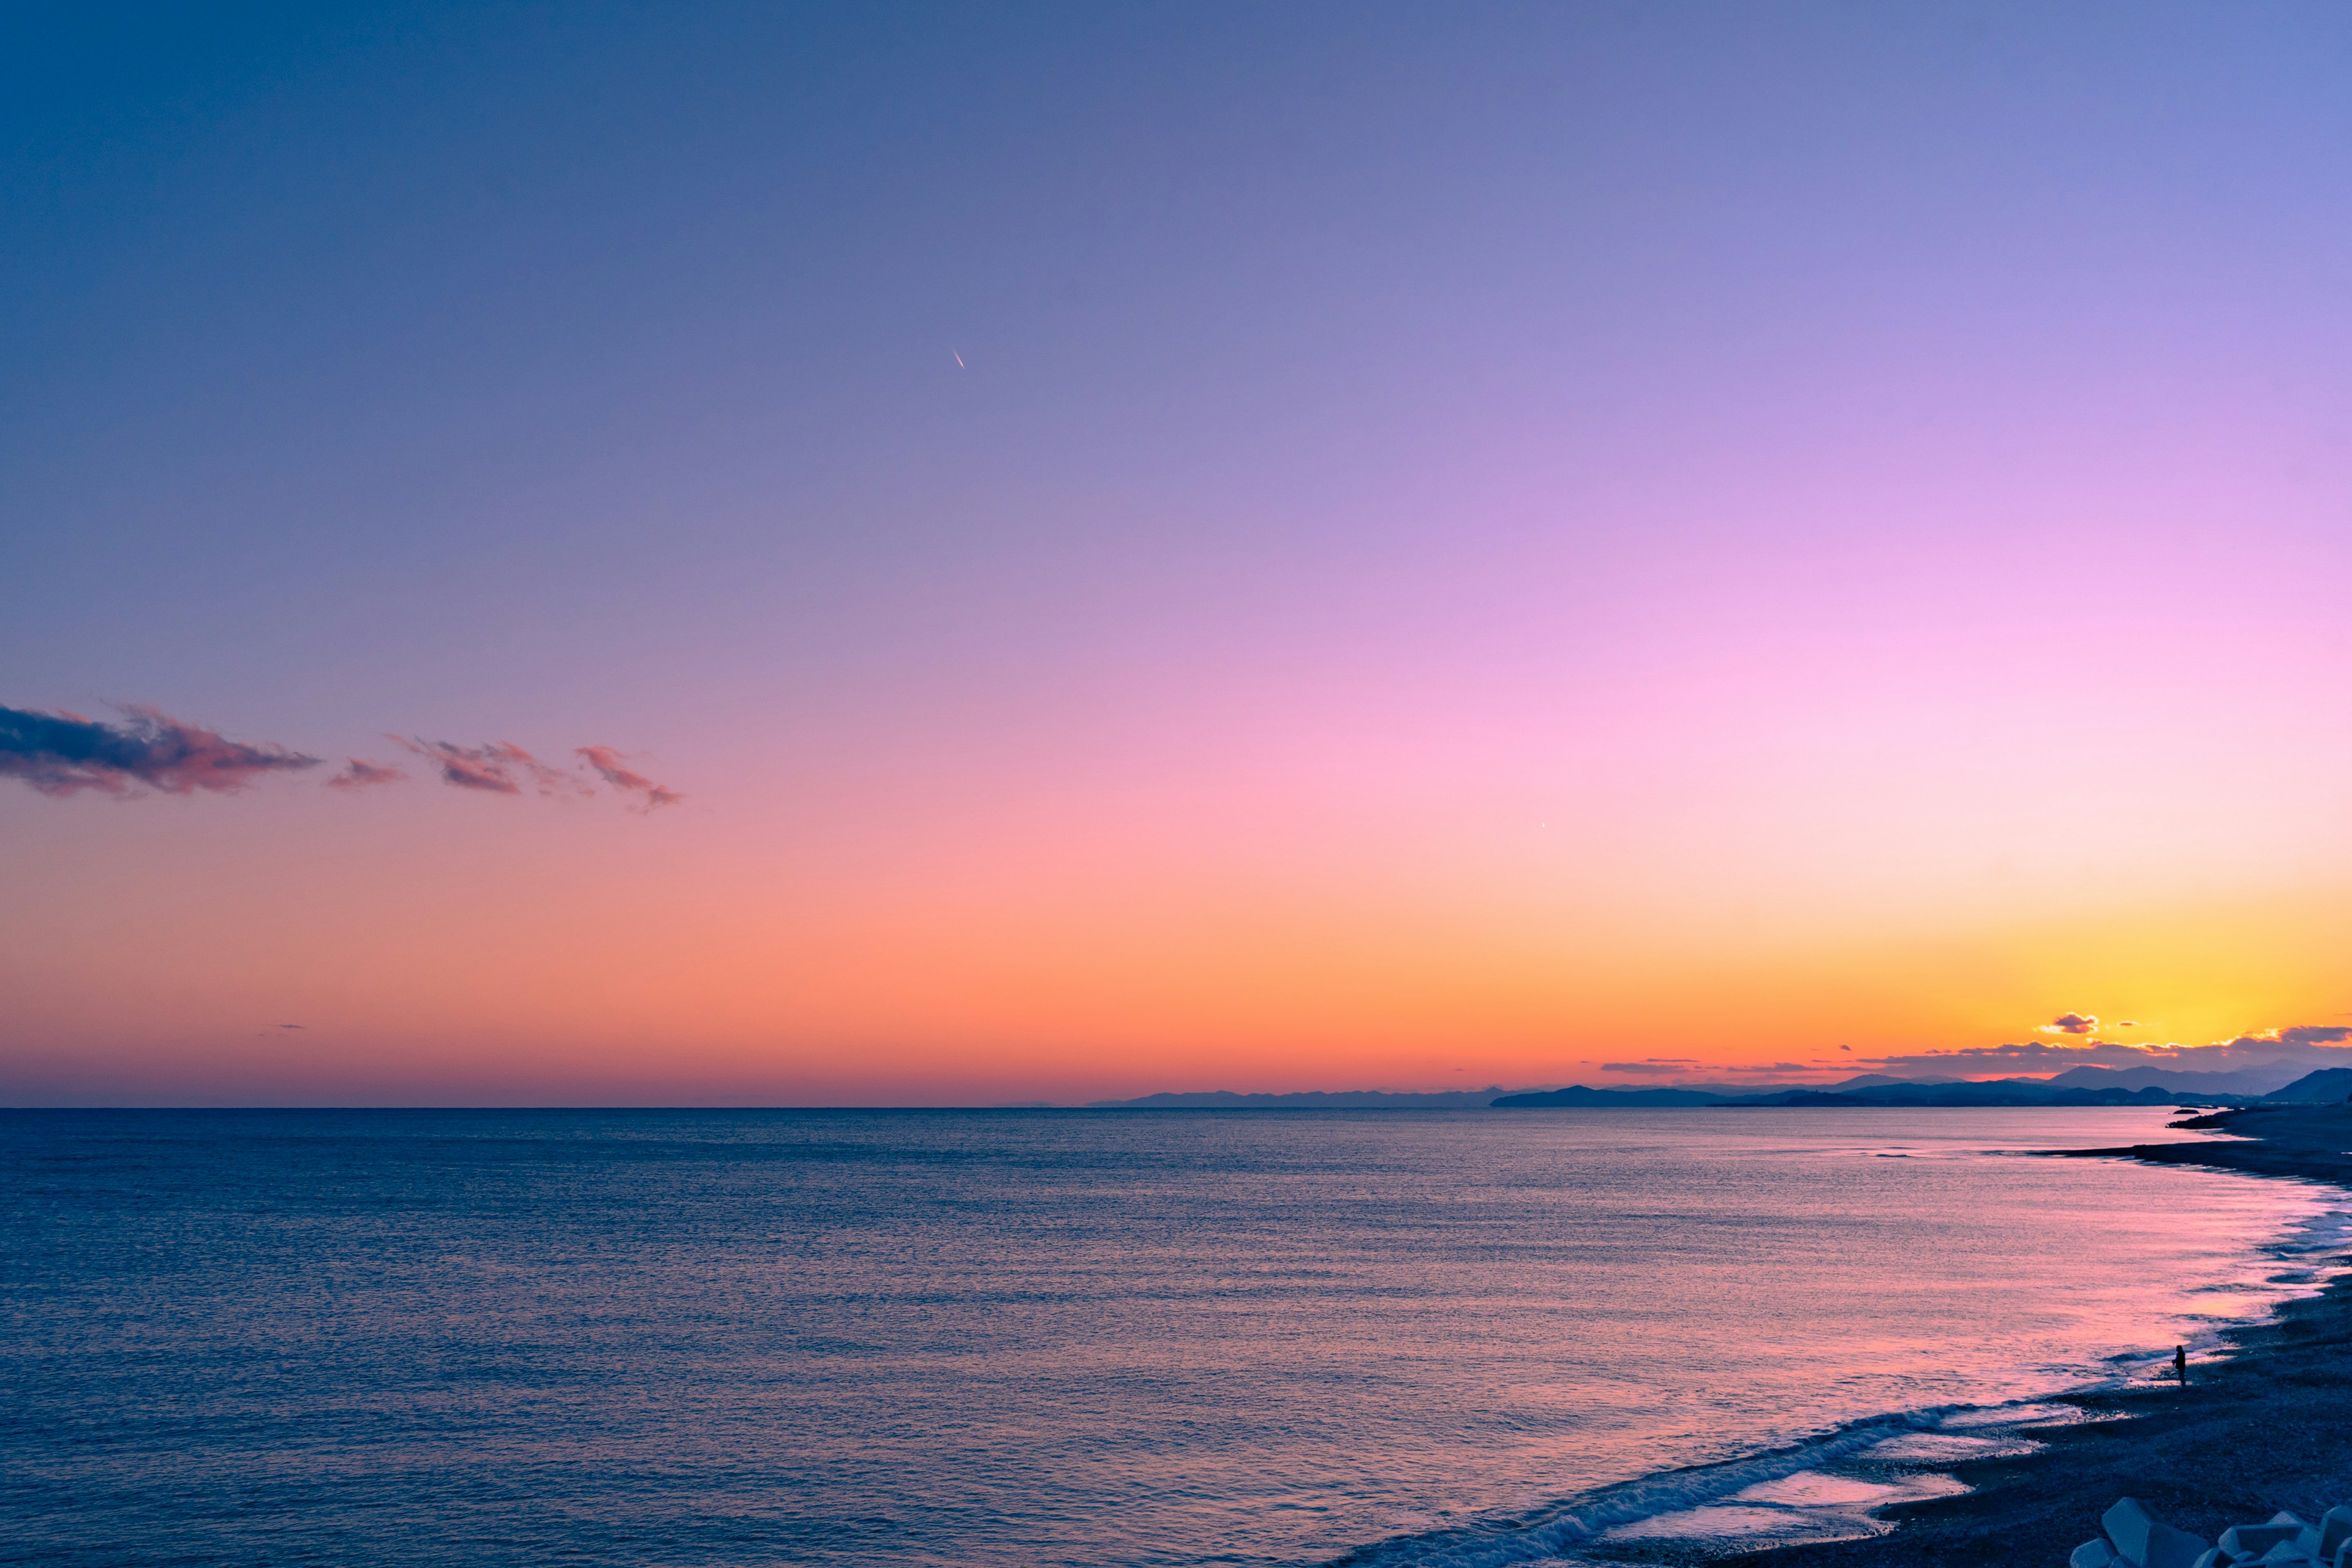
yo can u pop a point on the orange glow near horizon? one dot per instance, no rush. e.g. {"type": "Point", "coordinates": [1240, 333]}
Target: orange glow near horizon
{"type": "Point", "coordinates": [541, 958]}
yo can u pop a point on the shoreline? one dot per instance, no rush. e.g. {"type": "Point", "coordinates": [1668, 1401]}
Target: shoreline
{"type": "Point", "coordinates": [2270, 1427]}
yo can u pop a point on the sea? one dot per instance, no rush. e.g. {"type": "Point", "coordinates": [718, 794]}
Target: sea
{"type": "Point", "coordinates": [1027, 1338]}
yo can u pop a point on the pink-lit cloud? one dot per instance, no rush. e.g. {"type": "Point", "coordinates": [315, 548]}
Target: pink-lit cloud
{"type": "Point", "coordinates": [612, 764]}
{"type": "Point", "coordinates": [359, 774]}
{"type": "Point", "coordinates": [65, 753]}
{"type": "Point", "coordinates": [497, 767]}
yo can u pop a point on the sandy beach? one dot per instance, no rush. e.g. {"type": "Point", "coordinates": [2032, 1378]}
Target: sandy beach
{"type": "Point", "coordinates": [2269, 1427]}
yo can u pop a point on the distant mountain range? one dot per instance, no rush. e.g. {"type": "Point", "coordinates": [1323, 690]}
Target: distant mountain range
{"type": "Point", "coordinates": [2079, 1086]}
{"type": "Point", "coordinates": [2262, 1080]}
{"type": "Point", "coordinates": [1996, 1091]}
{"type": "Point", "coordinates": [2326, 1085]}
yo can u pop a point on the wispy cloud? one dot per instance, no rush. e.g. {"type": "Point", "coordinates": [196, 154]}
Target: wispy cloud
{"type": "Point", "coordinates": [65, 753]}
{"type": "Point", "coordinates": [1653, 1065]}
{"type": "Point", "coordinates": [498, 767]}
{"type": "Point", "coordinates": [2073, 1024]}
{"type": "Point", "coordinates": [611, 764]}
{"type": "Point", "coordinates": [360, 774]}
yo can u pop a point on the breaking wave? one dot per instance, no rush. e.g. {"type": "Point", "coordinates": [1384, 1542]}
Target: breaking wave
{"type": "Point", "coordinates": [1553, 1531]}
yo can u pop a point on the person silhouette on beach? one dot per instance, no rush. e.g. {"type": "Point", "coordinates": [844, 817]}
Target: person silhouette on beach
{"type": "Point", "coordinates": [2180, 1363]}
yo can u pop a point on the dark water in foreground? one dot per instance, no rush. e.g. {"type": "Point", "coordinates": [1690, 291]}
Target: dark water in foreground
{"type": "Point", "coordinates": [1035, 1338]}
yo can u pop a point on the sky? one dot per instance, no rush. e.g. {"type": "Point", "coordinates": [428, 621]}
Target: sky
{"type": "Point", "coordinates": [599, 555]}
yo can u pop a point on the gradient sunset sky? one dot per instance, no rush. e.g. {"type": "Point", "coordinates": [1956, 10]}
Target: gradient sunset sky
{"type": "Point", "coordinates": [1173, 548]}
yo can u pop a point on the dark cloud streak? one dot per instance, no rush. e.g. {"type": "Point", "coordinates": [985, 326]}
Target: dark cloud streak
{"type": "Point", "coordinates": [65, 753]}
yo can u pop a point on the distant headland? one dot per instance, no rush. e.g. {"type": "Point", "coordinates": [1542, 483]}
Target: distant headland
{"type": "Point", "coordinates": [2084, 1085]}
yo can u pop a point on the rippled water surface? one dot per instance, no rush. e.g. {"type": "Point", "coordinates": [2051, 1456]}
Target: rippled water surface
{"type": "Point", "coordinates": [1035, 1338]}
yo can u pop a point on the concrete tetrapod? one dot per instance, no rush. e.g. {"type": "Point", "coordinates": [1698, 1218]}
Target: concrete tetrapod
{"type": "Point", "coordinates": [2258, 1541]}
{"type": "Point", "coordinates": [2137, 1539]}
{"type": "Point", "coordinates": [2126, 1525]}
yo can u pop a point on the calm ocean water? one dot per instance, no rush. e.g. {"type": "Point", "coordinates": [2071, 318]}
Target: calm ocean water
{"type": "Point", "coordinates": [1039, 1338]}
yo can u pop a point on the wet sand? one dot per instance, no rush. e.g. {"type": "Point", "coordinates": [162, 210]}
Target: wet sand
{"type": "Point", "coordinates": [2269, 1428]}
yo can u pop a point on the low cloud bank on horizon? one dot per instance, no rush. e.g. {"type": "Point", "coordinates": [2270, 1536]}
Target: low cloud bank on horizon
{"type": "Point", "coordinates": [64, 753]}
{"type": "Point", "coordinates": [2307, 1045]}
{"type": "Point", "coordinates": [2317, 1043]}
